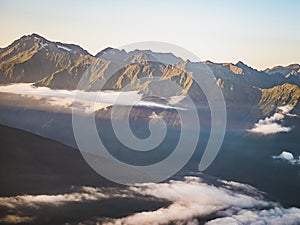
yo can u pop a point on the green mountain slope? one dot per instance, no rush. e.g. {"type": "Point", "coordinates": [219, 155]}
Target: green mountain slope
{"type": "Point", "coordinates": [286, 94]}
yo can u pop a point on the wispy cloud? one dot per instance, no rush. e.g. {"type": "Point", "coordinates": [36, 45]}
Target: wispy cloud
{"type": "Point", "coordinates": [89, 101]}
{"type": "Point", "coordinates": [85, 194]}
{"type": "Point", "coordinates": [271, 125]}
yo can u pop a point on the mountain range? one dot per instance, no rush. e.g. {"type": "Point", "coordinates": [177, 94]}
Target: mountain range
{"type": "Point", "coordinates": [34, 59]}
{"type": "Point", "coordinates": [45, 179]}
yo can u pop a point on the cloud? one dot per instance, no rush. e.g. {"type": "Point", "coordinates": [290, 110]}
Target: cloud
{"type": "Point", "coordinates": [286, 110]}
{"type": "Point", "coordinates": [271, 125]}
{"type": "Point", "coordinates": [89, 101]}
{"type": "Point", "coordinates": [275, 216]}
{"type": "Point", "coordinates": [15, 219]}
{"type": "Point", "coordinates": [192, 199]}
{"type": "Point", "coordinates": [189, 200]}
{"type": "Point", "coordinates": [289, 157]}
{"type": "Point", "coordinates": [264, 128]}
{"type": "Point", "coordinates": [86, 194]}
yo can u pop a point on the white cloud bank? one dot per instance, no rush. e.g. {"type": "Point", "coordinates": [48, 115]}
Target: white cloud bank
{"type": "Point", "coordinates": [192, 199]}
{"type": "Point", "coordinates": [227, 202]}
{"type": "Point", "coordinates": [289, 157]}
{"type": "Point", "coordinates": [89, 101]}
{"type": "Point", "coordinates": [274, 216]}
{"type": "Point", "coordinates": [271, 125]}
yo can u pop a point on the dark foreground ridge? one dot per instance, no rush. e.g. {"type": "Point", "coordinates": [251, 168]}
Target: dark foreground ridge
{"type": "Point", "coordinates": [30, 164]}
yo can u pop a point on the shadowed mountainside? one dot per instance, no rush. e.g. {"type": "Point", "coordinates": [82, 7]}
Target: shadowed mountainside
{"type": "Point", "coordinates": [34, 164]}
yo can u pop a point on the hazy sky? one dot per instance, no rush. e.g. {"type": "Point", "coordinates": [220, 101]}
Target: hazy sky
{"type": "Point", "coordinates": [257, 32]}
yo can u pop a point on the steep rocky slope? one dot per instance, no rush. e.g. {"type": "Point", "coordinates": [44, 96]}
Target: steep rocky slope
{"type": "Point", "coordinates": [286, 94]}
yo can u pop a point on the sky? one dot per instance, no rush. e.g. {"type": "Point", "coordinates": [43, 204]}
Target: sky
{"type": "Point", "coordinates": [261, 33]}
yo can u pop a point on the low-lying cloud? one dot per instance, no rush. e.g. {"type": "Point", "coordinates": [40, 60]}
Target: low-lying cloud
{"type": "Point", "coordinates": [89, 101]}
{"type": "Point", "coordinates": [191, 200]}
{"type": "Point", "coordinates": [15, 219]}
{"type": "Point", "coordinates": [272, 125]}
{"type": "Point", "coordinates": [274, 216]}
{"type": "Point", "coordinates": [288, 157]}
{"type": "Point", "coordinates": [85, 194]}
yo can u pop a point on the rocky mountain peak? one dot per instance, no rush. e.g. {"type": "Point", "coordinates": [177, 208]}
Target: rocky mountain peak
{"type": "Point", "coordinates": [141, 57]}
{"type": "Point", "coordinates": [233, 68]}
{"type": "Point", "coordinates": [113, 54]}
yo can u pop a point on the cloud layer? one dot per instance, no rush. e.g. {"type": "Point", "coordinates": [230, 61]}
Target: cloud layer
{"type": "Point", "coordinates": [85, 194]}
{"type": "Point", "coordinates": [89, 101]}
{"type": "Point", "coordinates": [191, 200]}
{"type": "Point", "coordinates": [271, 125]}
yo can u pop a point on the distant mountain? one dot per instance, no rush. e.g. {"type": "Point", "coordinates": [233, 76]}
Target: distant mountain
{"type": "Point", "coordinates": [141, 57]}
{"type": "Point", "coordinates": [290, 70]}
{"type": "Point", "coordinates": [113, 54]}
{"type": "Point", "coordinates": [166, 58]}
{"type": "Point", "coordinates": [56, 65]}
{"type": "Point", "coordinates": [121, 56]}
{"type": "Point", "coordinates": [244, 74]}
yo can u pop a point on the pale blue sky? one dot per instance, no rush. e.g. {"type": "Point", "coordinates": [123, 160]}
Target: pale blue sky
{"type": "Point", "coordinates": [261, 33]}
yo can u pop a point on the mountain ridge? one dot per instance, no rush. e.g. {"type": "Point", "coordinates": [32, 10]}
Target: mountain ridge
{"type": "Point", "coordinates": [56, 65]}
{"type": "Point", "coordinates": [98, 54]}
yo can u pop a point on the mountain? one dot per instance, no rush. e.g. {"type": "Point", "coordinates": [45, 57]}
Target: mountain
{"type": "Point", "coordinates": [121, 56]}
{"type": "Point", "coordinates": [56, 65]}
{"type": "Point", "coordinates": [166, 58]}
{"type": "Point", "coordinates": [290, 70]}
{"type": "Point", "coordinates": [34, 164]}
{"type": "Point", "coordinates": [244, 74]}
{"type": "Point", "coordinates": [141, 57]}
{"type": "Point", "coordinates": [286, 94]}
{"type": "Point", "coordinates": [113, 54]}
{"type": "Point", "coordinates": [33, 58]}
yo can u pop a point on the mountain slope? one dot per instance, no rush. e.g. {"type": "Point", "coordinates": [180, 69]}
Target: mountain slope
{"type": "Point", "coordinates": [113, 54]}
{"type": "Point", "coordinates": [286, 94]}
{"type": "Point", "coordinates": [38, 165]}
{"type": "Point", "coordinates": [33, 58]}
{"type": "Point", "coordinates": [56, 65]}
{"type": "Point", "coordinates": [121, 56]}
{"type": "Point", "coordinates": [165, 58]}
{"type": "Point", "coordinates": [292, 69]}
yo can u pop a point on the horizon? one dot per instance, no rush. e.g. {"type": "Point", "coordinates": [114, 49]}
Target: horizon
{"type": "Point", "coordinates": [261, 34]}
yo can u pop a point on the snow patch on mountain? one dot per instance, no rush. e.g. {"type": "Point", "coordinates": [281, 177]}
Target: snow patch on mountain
{"type": "Point", "coordinates": [64, 48]}
{"type": "Point", "coordinates": [44, 45]}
